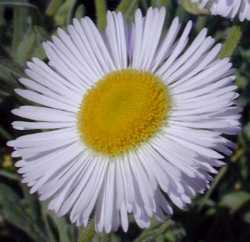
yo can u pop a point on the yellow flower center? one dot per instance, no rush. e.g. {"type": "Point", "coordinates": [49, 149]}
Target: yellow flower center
{"type": "Point", "coordinates": [123, 110]}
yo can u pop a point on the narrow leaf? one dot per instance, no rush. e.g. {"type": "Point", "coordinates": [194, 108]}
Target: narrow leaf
{"type": "Point", "coordinates": [65, 13]}
{"type": "Point", "coordinates": [235, 200]}
{"type": "Point", "coordinates": [87, 234]}
{"type": "Point", "coordinates": [232, 41]}
{"type": "Point", "coordinates": [12, 210]}
{"type": "Point", "coordinates": [102, 237]}
{"type": "Point", "coordinates": [64, 229]}
{"type": "Point", "coordinates": [153, 232]}
{"type": "Point", "coordinates": [159, 3]}
{"type": "Point", "coordinates": [7, 65]}
{"type": "Point", "coordinates": [19, 25]}
{"type": "Point", "coordinates": [5, 135]}
{"type": "Point", "coordinates": [80, 11]}
{"type": "Point", "coordinates": [124, 5]}
{"type": "Point", "coordinates": [18, 3]}
{"type": "Point", "coordinates": [53, 7]}
{"type": "Point", "coordinates": [193, 8]}
{"type": "Point", "coordinates": [9, 73]}
{"type": "Point", "coordinates": [9, 175]}
{"type": "Point", "coordinates": [31, 45]}
{"type": "Point", "coordinates": [127, 7]}
{"type": "Point", "coordinates": [100, 13]}
{"type": "Point", "coordinates": [214, 184]}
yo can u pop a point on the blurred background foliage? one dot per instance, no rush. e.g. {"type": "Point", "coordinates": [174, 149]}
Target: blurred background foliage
{"type": "Point", "coordinates": [222, 214]}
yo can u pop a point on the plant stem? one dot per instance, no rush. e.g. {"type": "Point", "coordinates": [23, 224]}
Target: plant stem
{"type": "Point", "coordinates": [216, 181]}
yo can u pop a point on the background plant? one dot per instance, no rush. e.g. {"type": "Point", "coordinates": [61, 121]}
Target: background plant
{"type": "Point", "coordinates": [222, 214]}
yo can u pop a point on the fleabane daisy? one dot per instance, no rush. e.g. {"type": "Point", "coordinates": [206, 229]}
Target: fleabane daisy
{"type": "Point", "coordinates": [227, 8]}
{"type": "Point", "coordinates": [135, 119]}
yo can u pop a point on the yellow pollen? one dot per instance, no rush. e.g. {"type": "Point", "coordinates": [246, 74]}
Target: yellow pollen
{"type": "Point", "coordinates": [123, 110]}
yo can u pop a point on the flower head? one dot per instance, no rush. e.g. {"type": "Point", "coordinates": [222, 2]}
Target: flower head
{"type": "Point", "coordinates": [227, 8]}
{"type": "Point", "coordinates": [135, 119]}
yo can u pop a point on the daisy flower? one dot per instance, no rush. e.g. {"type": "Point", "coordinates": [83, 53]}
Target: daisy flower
{"type": "Point", "coordinates": [227, 8]}
{"type": "Point", "coordinates": [135, 119]}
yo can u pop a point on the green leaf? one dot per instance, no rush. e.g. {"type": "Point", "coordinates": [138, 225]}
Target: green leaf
{"type": "Point", "coordinates": [3, 94]}
{"type": "Point", "coordinates": [24, 6]}
{"type": "Point", "coordinates": [20, 25]}
{"type": "Point", "coordinates": [246, 131]}
{"type": "Point", "coordinates": [26, 47]}
{"type": "Point", "coordinates": [200, 23]}
{"type": "Point", "coordinates": [100, 13]}
{"type": "Point", "coordinates": [80, 11]}
{"type": "Point", "coordinates": [159, 3]}
{"type": "Point", "coordinates": [102, 237]}
{"type": "Point", "coordinates": [13, 211]}
{"type": "Point", "coordinates": [87, 234]}
{"type": "Point", "coordinates": [18, 3]}
{"type": "Point", "coordinates": [115, 238]}
{"type": "Point", "coordinates": [232, 41]}
{"type": "Point", "coordinates": [32, 208]}
{"type": "Point", "coordinates": [64, 14]}
{"type": "Point", "coordinates": [31, 45]}
{"type": "Point", "coordinates": [124, 5]}
{"type": "Point", "coordinates": [127, 7]}
{"type": "Point", "coordinates": [154, 231]}
{"type": "Point", "coordinates": [193, 8]}
{"type": "Point", "coordinates": [53, 7]}
{"type": "Point", "coordinates": [9, 66]}
{"type": "Point", "coordinates": [5, 135]}
{"type": "Point", "coordinates": [64, 229]}
{"type": "Point", "coordinates": [9, 73]}
{"type": "Point", "coordinates": [45, 217]}
{"type": "Point", "coordinates": [235, 200]}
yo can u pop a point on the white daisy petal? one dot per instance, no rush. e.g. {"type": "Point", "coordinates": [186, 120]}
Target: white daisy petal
{"type": "Point", "coordinates": [180, 45]}
{"type": "Point", "coordinates": [199, 41]}
{"type": "Point", "coordinates": [43, 114]}
{"type": "Point", "coordinates": [109, 198]}
{"type": "Point", "coordinates": [32, 85]}
{"type": "Point", "coordinates": [44, 147]}
{"type": "Point", "coordinates": [116, 39]}
{"type": "Point", "coordinates": [60, 57]}
{"type": "Point", "coordinates": [214, 72]}
{"type": "Point", "coordinates": [64, 47]}
{"type": "Point", "coordinates": [143, 184]}
{"type": "Point", "coordinates": [45, 101]}
{"type": "Point", "coordinates": [81, 63]}
{"type": "Point", "coordinates": [98, 186]}
{"type": "Point", "coordinates": [86, 201]}
{"type": "Point", "coordinates": [128, 181]}
{"type": "Point", "coordinates": [165, 46]}
{"type": "Point", "coordinates": [136, 121]}
{"type": "Point", "coordinates": [205, 61]}
{"type": "Point", "coordinates": [43, 138]}
{"type": "Point", "coordinates": [85, 56]}
{"type": "Point", "coordinates": [97, 45]}
{"type": "Point", "coordinates": [64, 156]}
{"type": "Point", "coordinates": [151, 38]}
{"type": "Point", "coordinates": [228, 9]}
{"type": "Point", "coordinates": [64, 184]}
{"type": "Point", "coordinates": [45, 75]}
{"type": "Point", "coordinates": [192, 57]}
{"type": "Point", "coordinates": [20, 125]}
{"type": "Point", "coordinates": [137, 38]}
